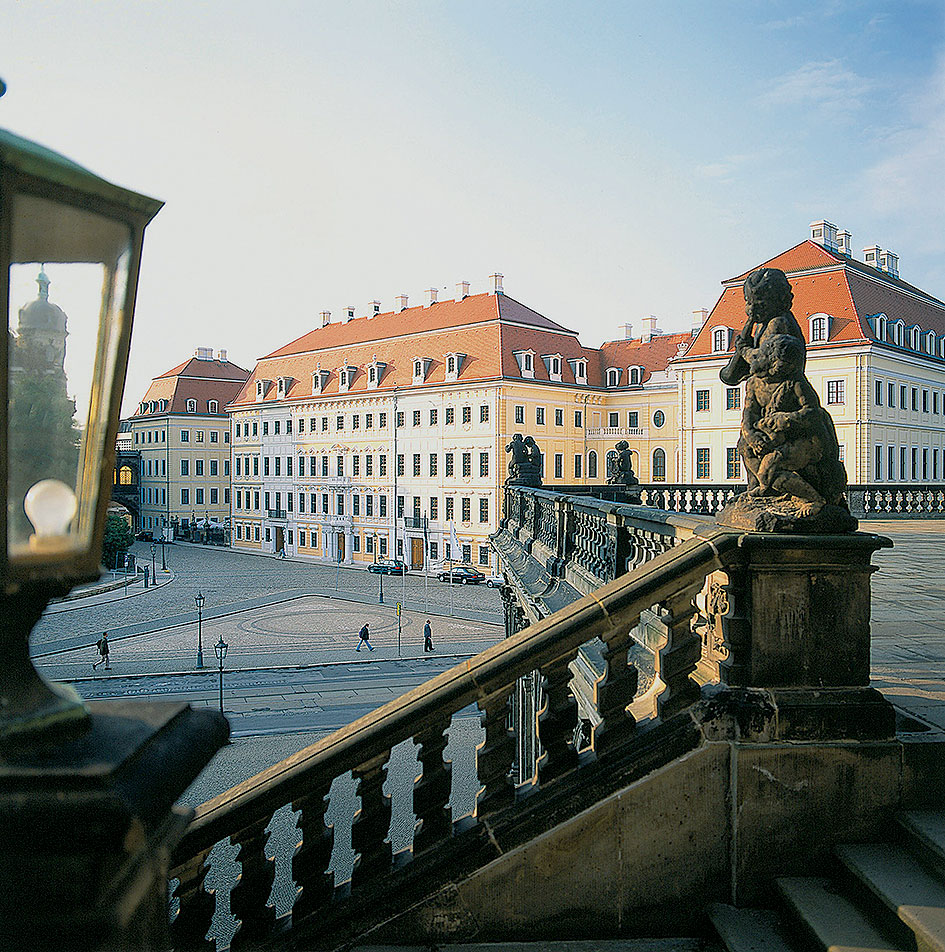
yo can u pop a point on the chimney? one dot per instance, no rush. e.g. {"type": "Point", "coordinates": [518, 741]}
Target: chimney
{"type": "Point", "coordinates": [496, 283]}
{"type": "Point", "coordinates": [845, 243]}
{"type": "Point", "coordinates": [326, 318]}
{"type": "Point", "coordinates": [349, 314]}
{"type": "Point", "coordinates": [628, 332]}
{"type": "Point", "coordinates": [699, 316]}
{"type": "Point", "coordinates": [375, 308]}
{"type": "Point", "coordinates": [871, 255]}
{"type": "Point", "coordinates": [402, 302]}
{"type": "Point", "coordinates": [649, 328]}
{"type": "Point", "coordinates": [889, 263]}
{"type": "Point", "coordinates": [431, 296]}
{"type": "Point", "coordinates": [204, 353]}
{"type": "Point", "coordinates": [824, 233]}
{"type": "Point", "coordinates": [462, 290]}
{"type": "Point", "coordinates": [221, 355]}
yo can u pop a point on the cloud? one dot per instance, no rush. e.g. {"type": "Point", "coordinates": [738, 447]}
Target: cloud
{"type": "Point", "coordinates": [827, 85]}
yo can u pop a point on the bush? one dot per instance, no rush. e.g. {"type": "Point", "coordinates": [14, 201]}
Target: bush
{"type": "Point", "coordinates": [117, 541]}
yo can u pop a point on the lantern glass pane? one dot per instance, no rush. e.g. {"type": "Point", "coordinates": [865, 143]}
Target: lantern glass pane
{"type": "Point", "coordinates": [68, 282]}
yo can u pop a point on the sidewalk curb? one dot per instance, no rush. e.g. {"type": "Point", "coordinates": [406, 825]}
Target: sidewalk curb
{"type": "Point", "coordinates": [68, 607]}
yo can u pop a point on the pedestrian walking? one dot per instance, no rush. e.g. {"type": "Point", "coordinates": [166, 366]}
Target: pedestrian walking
{"type": "Point", "coordinates": [102, 645]}
{"type": "Point", "coordinates": [363, 636]}
{"type": "Point", "coordinates": [427, 636]}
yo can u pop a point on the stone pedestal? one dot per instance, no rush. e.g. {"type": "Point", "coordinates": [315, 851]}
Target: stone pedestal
{"type": "Point", "coordinates": [88, 822]}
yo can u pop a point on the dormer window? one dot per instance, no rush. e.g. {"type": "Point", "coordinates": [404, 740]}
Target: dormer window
{"type": "Point", "coordinates": [454, 364]}
{"type": "Point", "coordinates": [613, 376]}
{"type": "Point", "coordinates": [143, 408]}
{"type": "Point", "coordinates": [899, 333]}
{"type": "Point", "coordinates": [721, 339]}
{"type": "Point", "coordinates": [262, 386]}
{"type": "Point", "coordinates": [914, 337]}
{"type": "Point", "coordinates": [191, 406]}
{"type": "Point", "coordinates": [346, 377]}
{"type": "Point", "coordinates": [634, 376]}
{"type": "Point", "coordinates": [421, 367]}
{"type": "Point", "coordinates": [818, 327]}
{"type": "Point", "coordinates": [552, 364]}
{"type": "Point", "coordinates": [880, 326]}
{"type": "Point", "coordinates": [580, 371]}
{"type": "Point", "coordinates": [162, 406]}
{"type": "Point", "coordinates": [930, 342]}
{"type": "Point", "coordinates": [375, 372]}
{"type": "Point", "coordinates": [526, 362]}
{"type": "Point", "coordinates": [283, 385]}
{"type": "Point", "coordinates": [212, 406]}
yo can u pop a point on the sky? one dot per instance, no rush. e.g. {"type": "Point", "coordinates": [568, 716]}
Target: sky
{"type": "Point", "coordinates": [610, 159]}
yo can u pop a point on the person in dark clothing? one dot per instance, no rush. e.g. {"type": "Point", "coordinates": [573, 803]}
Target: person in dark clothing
{"type": "Point", "coordinates": [363, 636]}
{"type": "Point", "coordinates": [102, 646]}
{"type": "Point", "coordinates": [427, 637]}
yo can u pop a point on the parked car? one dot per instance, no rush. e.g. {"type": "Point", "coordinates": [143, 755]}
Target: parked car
{"type": "Point", "coordinates": [387, 567]}
{"type": "Point", "coordinates": [494, 581]}
{"type": "Point", "coordinates": [463, 574]}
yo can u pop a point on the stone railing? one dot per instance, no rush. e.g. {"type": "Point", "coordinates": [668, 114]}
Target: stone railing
{"type": "Point", "coordinates": [892, 501]}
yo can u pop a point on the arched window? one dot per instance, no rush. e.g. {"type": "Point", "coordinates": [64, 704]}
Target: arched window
{"type": "Point", "coordinates": [930, 342]}
{"type": "Point", "coordinates": [125, 476]}
{"type": "Point", "coordinates": [451, 365]}
{"type": "Point", "coordinates": [818, 328]}
{"type": "Point", "coordinates": [659, 466]}
{"type": "Point", "coordinates": [881, 327]}
{"type": "Point", "coordinates": [634, 375]}
{"type": "Point", "coordinates": [720, 340]}
{"type": "Point", "coordinates": [212, 406]}
{"type": "Point", "coordinates": [914, 338]}
{"type": "Point", "coordinates": [613, 377]}
{"type": "Point", "coordinates": [592, 464]}
{"type": "Point", "coordinates": [191, 406]}
{"type": "Point", "coordinates": [898, 333]}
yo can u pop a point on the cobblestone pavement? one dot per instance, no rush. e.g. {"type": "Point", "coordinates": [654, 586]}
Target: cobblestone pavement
{"type": "Point", "coordinates": [232, 581]}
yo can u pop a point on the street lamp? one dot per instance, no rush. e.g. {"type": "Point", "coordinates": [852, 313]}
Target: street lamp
{"type": "Point", "coordinates": [163, 540]}
{"type": "Point", "coordinates": [220, 651]}
{"type": "Point", "coordinates": [60, 227]}
{"type": "Point", "coordinates": [380, 575]}
{"type": "Point", "coordinates": [198, 601]}
{"type": "Point", "coordinates": [153, 551]}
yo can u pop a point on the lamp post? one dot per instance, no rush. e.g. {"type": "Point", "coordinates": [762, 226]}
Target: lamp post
{"type": "Point", "coordinates": [199, 600]}
{"type": "Point", "coordinates": [380, 575]}
{"type": "Point", "coordinates": [220, 650]}
{"type": "Point", "coordinates": [153, 551]}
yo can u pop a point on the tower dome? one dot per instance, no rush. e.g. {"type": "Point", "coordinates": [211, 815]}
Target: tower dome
{"type": "Point", "coordinates": [42, 314]}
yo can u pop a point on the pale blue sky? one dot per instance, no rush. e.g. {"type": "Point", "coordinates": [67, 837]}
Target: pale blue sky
{"type": "Point", "coordinates": [611, 159]}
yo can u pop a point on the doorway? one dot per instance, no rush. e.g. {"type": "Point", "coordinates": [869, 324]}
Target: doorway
{"type": "Point", "coordinates": [416, 553]}
{"type": "Point", "coordinates": [280, 538]}
{"type": "Point", "coordinates": [341, 546]}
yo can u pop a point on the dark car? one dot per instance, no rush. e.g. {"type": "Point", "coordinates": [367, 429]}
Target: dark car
{"type": "Point", "coordinates": [464, 574]}
{"type": "Point", "coordinates": [387, 567]}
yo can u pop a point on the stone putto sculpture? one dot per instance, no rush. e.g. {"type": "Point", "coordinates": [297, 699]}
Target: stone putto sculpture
{"type": "Point", "coordinates": [788, 442]}
{"type": "Point", "coordinates": [620, 470]}
{"type": "Point", "coordinates": [524, 462]}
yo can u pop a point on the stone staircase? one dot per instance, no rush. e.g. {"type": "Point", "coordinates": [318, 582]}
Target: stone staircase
{"type": "Point", "coordinates": [884, 897]}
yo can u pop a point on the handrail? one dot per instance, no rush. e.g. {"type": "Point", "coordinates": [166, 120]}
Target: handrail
{"type": "Point", "coordinates": [476, 679]}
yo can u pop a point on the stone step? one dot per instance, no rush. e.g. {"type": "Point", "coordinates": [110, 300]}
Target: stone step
{"type": "Point", "coordinates": [926, 828]}
{"type": "Point", "coordinates": [551, 945]}
{"type": "Point", "coordinates": [904, 886]}
{"type": "Point", "coordinates": [749, 930]}
{"type": "Point", "coordinates": [829, 919]}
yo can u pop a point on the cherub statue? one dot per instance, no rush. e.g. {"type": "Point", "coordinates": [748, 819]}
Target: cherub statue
{"type": "Point", "coordinates": [621, 472]}
{"type": "Point", "coordinates": [534, 460]}
{"type": "Point", "coordinates": [524, 468]}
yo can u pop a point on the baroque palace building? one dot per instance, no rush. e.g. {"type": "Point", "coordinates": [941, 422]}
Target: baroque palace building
{"type": "Point", "coordinates": [182, 433]}
{"type": "Point", "coordinates": [875, 356]}
{"type": "Point", "coordinates": [376, 436]}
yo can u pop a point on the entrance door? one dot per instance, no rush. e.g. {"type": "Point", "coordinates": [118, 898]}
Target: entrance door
{"type": "Point", "coordinates": [416, 553]}
{"type": "Point", "coordinates": [341, 546]}
{"type": "Point", "coordinates": [280, 538]}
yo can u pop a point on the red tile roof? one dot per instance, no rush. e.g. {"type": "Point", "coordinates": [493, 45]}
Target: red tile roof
{"type": "Point", "coordinates": [653, 355]}
{"type": "Point", "coordinates": [826, 282]}
{"type": "Point", "coordinates": [196, 379]}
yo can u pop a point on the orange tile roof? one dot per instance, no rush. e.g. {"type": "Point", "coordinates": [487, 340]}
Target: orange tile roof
{"type": "Point", "coordinates": [830, 283]}
{"type": "Point", "coordinates": [196, 379]}
{"type": "Point", "coordinates": [653, 355]}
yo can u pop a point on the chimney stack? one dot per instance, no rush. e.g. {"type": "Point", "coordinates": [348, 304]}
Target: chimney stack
{"type": "Point", "coordinates": [204, 353]}
{"type": "Point", "coordinates": [431, 296]}
{"type": "Point", "coordinates": [871, 255]}
{"type": "Point", "coordinates": [496, 283]}
{"type": "Point", "coordinates": [649, 328]}
{"type": "Point", "coordinates": [628, 331]}
{"type": "Point", "coordinates": [402, 302]}
{"type": "Point", "coordinates": [699, 316]}
{"type": "Point", "coordinates": [889, 263]}
{"type": "Point", "coordinates": [462, 290]}
{"type": "Point", "coordinates": [326, 318]}
{"type": "Point", "coordinates": [375, 308]}
{"type": "Point", "coordinates": [845, 243]}
{"type": "Point", "coordinates": [221, 355]}
{"type": "Point", "coordinates": [349, 314]}
{"type": "Point", "coordinates": [824, 233]}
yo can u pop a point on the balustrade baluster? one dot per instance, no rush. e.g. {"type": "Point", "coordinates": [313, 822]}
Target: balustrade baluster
{"type": "Point", "coordinates": [249, 898]}
{"type": "Point", "coordinates": [677, 659]}
{"type": "Point", "coordinates": [615, 691]}
{"type": "Point", "coordinates": [371, 829]}
{"type": "Point", "coordinates": [313, 853]}
{"type": "Point", "coordinates": [197, 905]}
{"type": "Point", "coordinates": [557, 719]}
{"type": "Point", "coordinates": [431, 793]}
{"type": "Point", "coordinates": [494, 758]}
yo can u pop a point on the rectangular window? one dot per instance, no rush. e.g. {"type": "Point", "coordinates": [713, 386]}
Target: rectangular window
{"type": "Point", "coordinates": [198, 497]}
{"type": "Point", "coordinates": [467, 464]}
{"type": "Point", "coordinates": [199, 434]}
{"type": "Point", "coordinates": [483, 510]}
{"type": "Point", "coordinates": [265, 466]}
{"type": "Point", "coordinates": [277, 461]}
{"type": "Point", "coordinates": [613, 420]}
{"type": "Point", "coordinates": [356, 465]}
{"type": "Point", "coordinates": [449, 464]}
{"type": "Point", "coordinates": [578, 419]}
{"type": "Point", "coordinates": [324, 424]}
{"type": "Point", "coordinates": [890, 395]}
{"type": "Point", "coordinates": [185, 467]}
{"type": "Point", "coordinates": [733, 465]}
{"type": "Point", "coordinates": [935, 464]}
{"type": "Point", "coordinates": [400, 464]}
{"type": "Point", "coordinates": [935, 402]}
{"type": "Point", "coordinates": [356, 505]}
{"type": "Point", "coordinates": [368, 421]}
{"type": "Point", "coordinates": [467, 509]}
{"type": "Point", "coordinates": [198, 467]}
{"type": "Point", "coordinates": [915, 399]}
{"type": "Point", "coordinates": [449, 508]}
{"type": "Point", "coordinates": [226, 497]}
{"type": "Point", "coordinates": [383, 545]}
{"type": "Point", "coordinates": [266, 500]}
{"type": "Point", "coordinates": [878, 395]}
{"type": "Point", "coordinates": [340, 466]}
{"type": "Point", "coordinates": [400, 418]}
{"type": "Point", "coordinates": [265, 428]}
{"type": "Point", "coordinates": [382, 464]}
{"type": "Point", "coordinates": [382, 422]}
{"type": "Point", "coordinates": [434, 551]}
{"type": "Point", "coordinates": [539, 416]}
{"type": "Point", "coordinates": [577, 465]}
{"type": "Point", "coordinates": [324, 466]}
{"type": "Point", "coordinates": [467, 554]}
{"type": "Point", "coordinates": [434, 508]}
{"type": "Point", "coordinates": [382, 513]}
{"type": "Point", "coordinates": [185, 497]}
{"type": "Point", "coordinates": [416, 464]}
{"type": "Point", "coordinates": [400, 507]}
{"type": "Point", "coordinates": [369, 505]}
{"type": "Point", "coordinates": [325, 502]}
{"type": "Point", "coordinates": [925, 401]}
{"type": "Point", "coordinates": [915, 463]}
{"type": "Point", "coordinates": [633, 420]}
{"type": "Point", "coordinates": [483, 464]}
{"type": "Point", "coordinates": [702, 400]}
{"type": "Point", "coordinates": [184, 436]}
{"type": "Point", "coordinates": [903, 471]}
{"type": "Point", "coordinates": [356, 422]}
{"type": "Point", "coordinates": [312, 466]}
{"type": "Point", "coordinates": [878, 463]}
{"type": "Point", "coordinates": [301, 538]}
{"type": "Point", "coordinates": [702, 460]}
{"type": "Point", "coordinates": [340, 498]}
{"type": "Point", "coordinates": [214, 467]}
{"type": "Point", "coordinates": [433, 459]}
{"type": "Point", "coordinates": [890, 463]}
{"type": "Point", "coordinates": [902, 398]}
{"type": "Point", "coordinates": [559, 417]}
{"type": "Point", "coordinates": [369, 465]}
{"type": "Point", "coordinates": [226, 467]}
{"type": "Point", "coordinates": [214, 436]}
{"type": "Point", "coordinates": [275, 427]}
{"type": "Point", "coordinates": [313, 503]}
{"type": "Point", "coordinates": [484, 413]}
{"type": "Point", "coordinates": [301, 502]}
{"type": "Point", "coordinates": [214, 496]}
{"type": "Point", "coordinates": [733, 398]}
{"type": "Point", "coordinates": [520, 414]}
{"type": "Point", "coordinates": [925, 464]}
{"type": "Point", "coordinates": [450, 415]}
{"type": "Point", "coordinates": [559, 465]}
{"type": "Point", "coordinates": [416, 418]}
{"type": "Point", "coordinates": [467, 414]}
{"type": "Point", "coordinates": [483, 555]}
{"type": "Point", "coordinates": [239, 499]}
{"type": "Point", "coordinates": [256, 501]}
{"type": "Point", "coordinates": [836, 391]}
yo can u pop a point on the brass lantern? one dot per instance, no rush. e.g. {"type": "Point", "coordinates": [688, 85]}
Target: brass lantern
{"type": "Point", "coordinates": [70, 250]}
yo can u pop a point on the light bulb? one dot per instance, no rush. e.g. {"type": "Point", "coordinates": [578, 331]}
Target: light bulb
{"type": "Point", "coordinates": [51, 505]}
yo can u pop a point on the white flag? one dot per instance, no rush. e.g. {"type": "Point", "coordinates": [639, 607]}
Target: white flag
{"type": "Point", "coordinates": [456, 550]}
